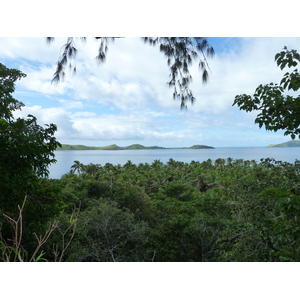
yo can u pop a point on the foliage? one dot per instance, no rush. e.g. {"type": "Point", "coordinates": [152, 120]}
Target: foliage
{"type": "Point", "coordinates": [276, 109]}
{"type": "Point", "coordinates": [108, 233]}
{"type": "Point", "coordinates": [226, 210]}
{"type": "Point", "coordinates": [180, 52]}
{"type": "Point", "coordinates": [201, 147]}
{"type": "Point", "coordinates": [26, 148]}
{"type": "Point", "coordinates": [26, 151]}
{"type": "Point", "coordinates": [16, 251]}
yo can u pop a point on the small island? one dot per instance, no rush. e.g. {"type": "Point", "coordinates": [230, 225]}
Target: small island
{"type": "Point", "coordinates": [66, 147]}
{"type": "Point", "coordinates": [287, 144]}
{"type": "Point", "coordinates": [201, 147]}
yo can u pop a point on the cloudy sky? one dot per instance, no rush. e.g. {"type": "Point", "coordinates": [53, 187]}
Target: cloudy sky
{"type": "Point", "coordinates": [126, 99]}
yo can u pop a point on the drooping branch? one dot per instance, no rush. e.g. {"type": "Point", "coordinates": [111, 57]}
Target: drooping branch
{"type": "Point", "coordinates": [181, 52]}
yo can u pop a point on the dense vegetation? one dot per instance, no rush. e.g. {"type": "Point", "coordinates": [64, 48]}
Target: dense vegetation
{"type": "Point", "coordinates": [226, 210]}
{"type": "Point", "coordinates": [26, 150]}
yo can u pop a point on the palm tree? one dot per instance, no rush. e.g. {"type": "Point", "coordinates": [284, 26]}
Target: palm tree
{"type": "Point", "coordinates": [92, 169]}
{"type": "Point", "coordinates": [77, 166]}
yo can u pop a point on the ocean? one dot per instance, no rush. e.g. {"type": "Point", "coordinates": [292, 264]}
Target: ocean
{"type": "Point", "coordinates": [65, 159]}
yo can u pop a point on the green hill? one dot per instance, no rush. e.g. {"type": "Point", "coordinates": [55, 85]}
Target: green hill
{"type": "Point", "coordinates": [135, 146]}
{"type": "Point", "coordinates": [138, 146]}
{"type": "Point", "coordinates": [76, 147]}
{"type": "Point", "coordinates": [287, 144]}
{"type": "Point", "coordinates": [201, 147]}
{"type": "Point", "coordinates": [111, 147]}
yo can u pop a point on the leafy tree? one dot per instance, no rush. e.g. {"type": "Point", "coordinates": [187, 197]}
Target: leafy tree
{"type": "Point", "coordinates": [180, 52]}
{"type": "Point", "coordinates": [26, 150]}
{"type": "Point", "coordinates": [206, 232]}
{"type": "Point", "coordinates": [109, 234]}
{"type": "Point", "coordinates": [132, 198]}
{"type": "Point", "coordinates": [177, 190]}
{"type": "Point", "coordinates": [277, 110]}
{"type": "Point", "coordinates": [91, 168]}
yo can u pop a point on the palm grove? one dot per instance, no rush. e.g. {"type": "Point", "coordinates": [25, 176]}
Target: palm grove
{"type": "Point", "coordinates": [226, 210]}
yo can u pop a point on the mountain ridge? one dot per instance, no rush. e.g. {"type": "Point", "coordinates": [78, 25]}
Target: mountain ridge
{"type": "Point", "coordinates": [68, 147]}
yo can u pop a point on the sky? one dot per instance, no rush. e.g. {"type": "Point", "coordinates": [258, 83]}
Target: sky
{"type": "Point", "coordinates": [126, 100]}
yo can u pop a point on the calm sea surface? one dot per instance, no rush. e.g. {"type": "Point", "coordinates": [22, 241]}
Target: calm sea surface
{"type": "Point", "coordinates": [65, 159]}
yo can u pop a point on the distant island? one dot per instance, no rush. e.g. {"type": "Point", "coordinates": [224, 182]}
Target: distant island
{"type": "Point", "coordinates": [65, 147]}
{"type": "Point", "coordinates": [287, 144]}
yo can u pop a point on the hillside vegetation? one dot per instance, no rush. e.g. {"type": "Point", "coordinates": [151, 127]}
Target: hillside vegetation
{"type": "Point", "coordinates": [226, 210]}
{"type": "Point", "coordinates": [201, 147]}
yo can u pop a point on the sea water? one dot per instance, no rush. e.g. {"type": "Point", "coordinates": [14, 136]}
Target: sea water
{"type": "Point", "coordinates": [65, 159]}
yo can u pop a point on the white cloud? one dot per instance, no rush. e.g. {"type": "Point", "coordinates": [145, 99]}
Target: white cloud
{"type": "Point", "coordinates": [133, 75]}
{"type": "Point", "coordinates": [101, 128]}
{"type": "Point", "coordinates": [127, 98]}
{"type": "Point", "coordinates": [39, 79]}
{"type": "Point", "coordinates": [30, 49]}
{"type": "Point", "coordinates": [84, 114]}
{"type": "Point", "coordinates": [69, 104]}
{"type": "Point", "coordinates": [55, 115]}
{"type": "Point", "coordinates": [118, 127]}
